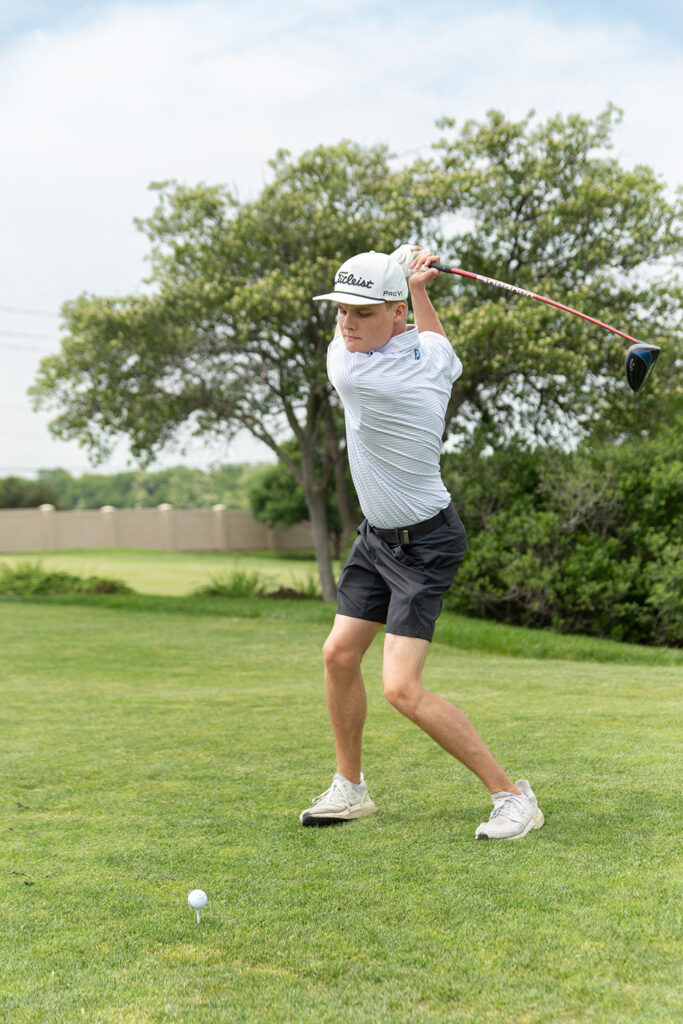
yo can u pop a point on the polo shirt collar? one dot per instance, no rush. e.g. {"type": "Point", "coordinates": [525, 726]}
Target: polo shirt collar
{"type": "Point", "coordinates": [401, 342]}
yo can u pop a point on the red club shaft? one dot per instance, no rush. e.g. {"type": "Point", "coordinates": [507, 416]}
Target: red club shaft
{"type": "Point", "coordinates": [530, 295]}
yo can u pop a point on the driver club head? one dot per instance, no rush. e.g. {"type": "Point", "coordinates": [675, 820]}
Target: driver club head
{"type": "Point", "coordinates": [640, 359]}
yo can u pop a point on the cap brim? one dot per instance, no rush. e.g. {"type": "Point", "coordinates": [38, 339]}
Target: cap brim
{"type": "Point", "coordinates": [349, 299]}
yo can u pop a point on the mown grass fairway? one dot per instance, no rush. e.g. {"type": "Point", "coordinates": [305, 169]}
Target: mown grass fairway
{"type": "Point", "coordinates": [147, 753]}
{"type": "Point", "coordinates": [173, 572]}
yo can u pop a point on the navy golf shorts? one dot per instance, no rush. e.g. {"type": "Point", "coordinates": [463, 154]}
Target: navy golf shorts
{"type": "Point", "coordinates": [402, 584]}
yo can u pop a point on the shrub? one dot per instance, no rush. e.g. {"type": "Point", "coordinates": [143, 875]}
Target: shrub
{"type": "Point", "coordinates": [308, 589]}
{"type": "Point", "coordinates": [237, 583]}
{"type": "Point", "coordinates": [30, 579]}
{"type": "Point", "coordinates": [240, 583]}
{"type": "Point", "coordinates": [585, 542]}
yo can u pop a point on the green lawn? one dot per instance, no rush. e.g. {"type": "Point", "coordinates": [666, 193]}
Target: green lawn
{"type": "Point", "coordinates": [148, 750]}
{"type": "Point", "coordinates": [172, 572]}
{"type": "Point", "coordinates": [175, 574]}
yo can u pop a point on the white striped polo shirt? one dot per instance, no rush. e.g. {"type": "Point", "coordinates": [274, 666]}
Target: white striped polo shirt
{"type": "Point", "coordinates": [395, 401]}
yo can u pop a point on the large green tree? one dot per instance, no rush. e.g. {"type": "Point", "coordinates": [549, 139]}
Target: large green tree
{"type": "Point", "coordinates": [275, 498]}
{"type": "Point", "coordinates": [226, 337]}
{"type": "Point", "coordinates": [548, 208]}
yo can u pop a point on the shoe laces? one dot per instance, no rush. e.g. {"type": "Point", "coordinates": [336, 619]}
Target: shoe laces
{"type": "Point", "coordinates": [339, 788]}
{"type": "Point", "coordinates": [505, 804]}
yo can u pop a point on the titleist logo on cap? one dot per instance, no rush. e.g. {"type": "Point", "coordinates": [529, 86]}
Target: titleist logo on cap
{"type": "Point", "coordinates": [344, 277]}
{"type": "Point", "coordinates": [367, 279]}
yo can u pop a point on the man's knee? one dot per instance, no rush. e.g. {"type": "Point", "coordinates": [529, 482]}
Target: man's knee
{"type": "Point", "coordinates": [403, 694]}
{"type": "Point", "coordinates": [340, 655]}
{"type": "Point", "coordinates": [346, 645]}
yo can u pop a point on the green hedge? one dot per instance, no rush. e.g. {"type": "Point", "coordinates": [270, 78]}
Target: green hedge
{"type": "Point", "coordinates": [588, 542]}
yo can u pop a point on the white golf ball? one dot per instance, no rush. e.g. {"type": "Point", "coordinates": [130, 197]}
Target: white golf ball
{"type": "Point", "coordinates": [197, 899]}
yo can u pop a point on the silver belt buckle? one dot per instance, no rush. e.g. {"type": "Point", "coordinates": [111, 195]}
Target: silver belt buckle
{"type": "Point", "coordinates": [405, 537]}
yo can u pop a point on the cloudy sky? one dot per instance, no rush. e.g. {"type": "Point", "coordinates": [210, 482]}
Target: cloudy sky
{"type": "Point", "coordinates": [98, 99]}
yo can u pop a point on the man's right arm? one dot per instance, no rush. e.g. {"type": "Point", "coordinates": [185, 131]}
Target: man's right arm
{"type": "Point", "coordinates": [424, 314]}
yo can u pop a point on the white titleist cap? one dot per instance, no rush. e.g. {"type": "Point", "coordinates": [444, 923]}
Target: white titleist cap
{"type": "Point", "coordinates": [367, 280]}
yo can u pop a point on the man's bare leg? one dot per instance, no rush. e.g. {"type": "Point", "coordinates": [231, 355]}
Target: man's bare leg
{"type": "Point", "coordinates": [404, 659]}
{"type": "Point", "coordinates": [343, 652]}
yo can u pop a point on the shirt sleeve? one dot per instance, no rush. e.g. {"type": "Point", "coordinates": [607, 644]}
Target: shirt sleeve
{"type": "Point", "coordinates": [335, 359]}
{"type": "Point", "coordinates": [445, 346]}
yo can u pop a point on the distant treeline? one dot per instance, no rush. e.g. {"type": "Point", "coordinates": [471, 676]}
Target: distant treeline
{"type": "Point", "coordinates": [179, 486]}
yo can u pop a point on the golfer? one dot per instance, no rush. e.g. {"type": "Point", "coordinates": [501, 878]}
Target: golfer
{"type": "Point", "coordinates": [395, 381]}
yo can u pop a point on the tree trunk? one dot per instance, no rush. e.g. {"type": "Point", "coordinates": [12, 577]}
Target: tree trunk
{"type": "Point", "coordinates": [333, 443]}
{"type": "Point", "coordinates": [317, 510]}
{"type": "Point", "coordinates": [321, 545]}
{"type": "Point", "coordinates": [347, 512]}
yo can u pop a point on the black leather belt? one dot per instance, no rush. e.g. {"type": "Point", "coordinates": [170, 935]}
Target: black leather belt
{"type": "Point", "coordinates": [404, 534]}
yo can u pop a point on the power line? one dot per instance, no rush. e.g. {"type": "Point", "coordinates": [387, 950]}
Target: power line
{"type": "Point", "coordinates": [69, 469]}
{"type": "Point", "coordinates": [28, 334]}
{"type": "Point", "coordinates": [25, 348]}
{"type": "Point", "coordinates": [27, 312]}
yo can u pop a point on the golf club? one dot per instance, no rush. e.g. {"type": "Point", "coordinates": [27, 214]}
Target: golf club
{"type": "Point", "coordinates": [640, 358]}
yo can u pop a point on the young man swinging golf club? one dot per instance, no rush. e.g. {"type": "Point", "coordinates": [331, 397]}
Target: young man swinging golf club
{"type": "Point", "coordinates": [395, 381]}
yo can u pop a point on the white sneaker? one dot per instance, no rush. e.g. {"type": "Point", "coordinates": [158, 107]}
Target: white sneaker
{"type": "Point", "coordinates": [341, 802]}
{"type": "Point", "coordinates": [512, 815]}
